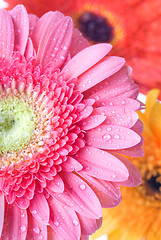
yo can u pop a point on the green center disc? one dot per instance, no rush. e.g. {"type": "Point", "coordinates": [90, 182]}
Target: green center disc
{"type": "Point", "coordinates": [17, 122]}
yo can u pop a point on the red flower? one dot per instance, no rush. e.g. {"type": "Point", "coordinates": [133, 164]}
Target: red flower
{"type": "Point", "coordinates": [135, 32]}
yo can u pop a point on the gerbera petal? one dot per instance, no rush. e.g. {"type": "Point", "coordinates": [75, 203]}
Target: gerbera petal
{"type": "Point", "coordinates": [92, 122]}
{"type": "Point", "coordinates": [103, 69]}
{"type": "Point", "coordinates": [134, 178]}
{"type": "Point", "coordinates": [29, 52]}
{"type": "Point", "coordinates": [108, 167]}
{"type": "Point", "coordinates": [78, 43]}
{"type": "Point", "coordinates": [119, 84]}
{"type": "Point", "coordinates": [71, 165]}
{"type": "Point", "coordinates": [56, 185]}
{"type": "Point", "coordinates": [32, 22]}
{"type": "Point", "coordinates": [108, 193]}
{"type": "Point", "coordinates": [90, 228]}
{"type": "Point", "coordinates": [52, 235]}
{"type": "Point", "coordinates": [112, 137]}
{"type": "Point", "coordinates": [58, 43]}
{"type": "Point", "coordinates": [84, 237]}
{"type": "Point", "coordinates": [42, 29]}
{"type": "Point", "coordinates": [6, 34]}
{"type": "Point", "coordinates": [85, 59]}
{"type": "Point", "coordinates": [118, 101]}
{"type": "Point", "coordinates": [39, 208]}
{"type": "Point", "coordinates": [21, 27]}
{"type": "Point", "coordinates": [78, 197]}
{"type": "Point", "coordinates": [64, 220]}
{"type": "Point", "coordinates": [2, 211]}
{"type": "Point", "coordinates": [124, 117]}
{"type": "Point", "coordinates": [36, 229]}
{"type": "Point", "coordinates": [15, 223]}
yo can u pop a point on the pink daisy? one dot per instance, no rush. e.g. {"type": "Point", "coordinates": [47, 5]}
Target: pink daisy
{"type": "Point", "coordinates": [67, 112]}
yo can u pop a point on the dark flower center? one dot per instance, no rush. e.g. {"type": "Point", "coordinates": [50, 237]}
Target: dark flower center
{"type": "Point", "coordinates": [154, 184]}
{"type": "Point", "coordinates": [96, 28]}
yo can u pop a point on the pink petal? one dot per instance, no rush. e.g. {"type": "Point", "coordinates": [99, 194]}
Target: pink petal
{"type": "Point", "coordinates": [15, 223]}
{"type": "Point", "coordinates": [108, 193]}
{"type": "Point", "coordinates": [84, 113]}
{"type": "Point", "coordinates": [112, 137]}
{"type": "Point", "coordinates": [103, 69]}
{"type": "Point", "coordinates": [39, 208]}
{"type": "Point", "coordinates": [119, 84]}
{"type": "Point", "coordinates": [133, 152]}
{"type": "Point", "coordinates": [2, 210]}
{"type": "Point", "coordinates": [33, 19]}
{"type": "Point", "coordinates": [21, 26]}
{"type": "Point", "coordinates": [118, 102]}
{"type": "Point", "coordinates": [92, 122]}
{"type": "Point", "coordinates": [52, 235]}
{"type": "Point", "coordinates": [22, 202]}
{"type": "Point", "coordinates": [84, 237]}
{"type": "Point", "coordinates": [134, 178]}
{"type": "Point", "coordinates": [43, 27]}
{"type": "Point", "coordinates": [64, 220]}
{"type": "Point", "coordinates": [6, 34]}
{"type": "Point", "coordinates": [58, 43]}
{"type": "Point", "coordinates": [85, 59]}
{"type": "Point", "coordinates": [79, 196]}
{"type": "Point", "coordinates": [124, 117]}
{"type": "Point", "coordinates": [78, 43]}
{"type": "Point", "coordinates": [56, 185]}
{"type": "Point", "coordinates": [88, 225]}
{"type": "Point", "coordinates": [29, 49]}
{"type": "Point", "coordinates": [71, 165]}
{"type": "Point", "coordinates": [108, 167]}
{"type": "Point", "coordinates": [36, 229]}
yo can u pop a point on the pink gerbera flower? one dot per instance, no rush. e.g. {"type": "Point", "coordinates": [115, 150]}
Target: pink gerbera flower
{"type": "Point", "coordinates": [67, 112]}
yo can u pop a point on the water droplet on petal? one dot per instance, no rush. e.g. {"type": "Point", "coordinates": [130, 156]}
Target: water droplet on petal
{"type": "Point", "coordinates": [75, 222]}
{"type": "Point", "coordinates": [109, 129]}
{"type": "Point", "coordinates": [23, 228]}
{"type": "Point", "coordinates": [106, 137]}
{"type": "Point", "coordinates": [34, 212]}
{"type": "Point", "coordinates": [99, 129]}
{"type": "Point", "coordinates": [82, 186]}
{"type": "Point", "coordinates": [56, 224]}
{"type": "Point", "coordinates": [116, 136]}
{"type": "Point", "coordinates": [36, 230]}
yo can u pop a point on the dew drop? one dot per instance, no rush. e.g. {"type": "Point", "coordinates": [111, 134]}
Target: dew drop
{"type": "Point", "coordinates": [82, 186]}
{"type": "Point", "coordinates": [36, 230]}
{"type": "Point", "coordinates": [106, 137]}
{"type": "Point", "coordinates": [116, 136]}
{"type": "Point", "coordinates": [114, 176]}
{"type": "Point", "coordinates": [87, 168]}
{"type": "Point", "coordinates": [109, 129]}
{"type": "Point", "coordinates": [75, 222]}
{"type": "Point", "coordinates": [56, 224]}
{"type": "Point", "coordinates": [23, 228]}
{"type": "Point", "coordinates": [34, 212]}
{"type": "Point", "coordinates": [84, 123]}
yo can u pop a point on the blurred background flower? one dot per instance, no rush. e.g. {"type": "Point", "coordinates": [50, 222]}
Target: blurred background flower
{"type": "Point", "coordinates": [138, 216]}
{"type": "Point", "coordinates": [131, 25]}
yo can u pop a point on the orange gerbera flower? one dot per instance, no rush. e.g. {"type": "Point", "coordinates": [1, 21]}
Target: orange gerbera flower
{"type": "Point", "coordinates": [131, 25]}
{"type": "Point", "coordinates": [138, 217]}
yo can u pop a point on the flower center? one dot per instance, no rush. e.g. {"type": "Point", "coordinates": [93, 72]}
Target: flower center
{"type": "Point", "coordinates": [95, 27]}
{"type": "Point", "coordinates": [17, 122]}
{"type": "Point", "coordinates": [154, 184]}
